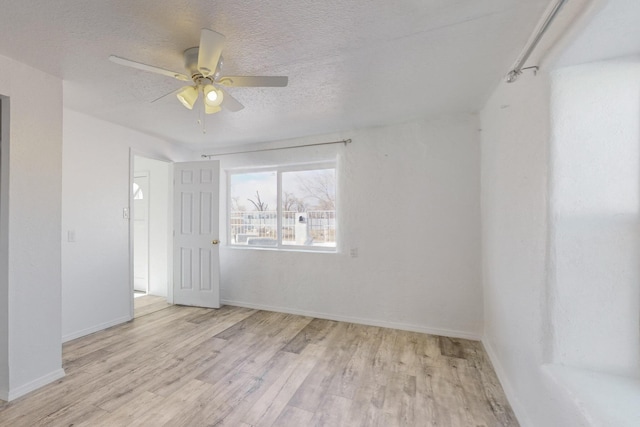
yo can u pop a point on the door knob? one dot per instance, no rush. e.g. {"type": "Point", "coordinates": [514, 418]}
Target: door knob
{"type": "Point", "coordinates": [215, 242]}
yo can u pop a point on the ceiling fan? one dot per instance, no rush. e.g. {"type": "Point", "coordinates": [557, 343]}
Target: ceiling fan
{"type": "Point", "coordinates": [204, 64]}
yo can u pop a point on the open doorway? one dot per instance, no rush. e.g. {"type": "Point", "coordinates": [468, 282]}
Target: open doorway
{"type": "Point", "coordinates": [140, 218]}
{"type": "Point", "coordinates": [150, 230]}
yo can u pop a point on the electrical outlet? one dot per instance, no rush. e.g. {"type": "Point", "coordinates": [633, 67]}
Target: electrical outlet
{"type": "Point", "coordinates": [71, 236]}
{"type": "Point", "coordinates": [353, 252]}
{"type": "Point", "coordinates": [125, 213]}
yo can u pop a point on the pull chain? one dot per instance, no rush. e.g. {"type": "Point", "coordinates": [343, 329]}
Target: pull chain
{"type": "Point", "coordinates": [201, 116]}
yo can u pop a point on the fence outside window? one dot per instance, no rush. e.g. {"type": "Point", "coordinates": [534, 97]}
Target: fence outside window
{"type": "Point", "coordinates": [317, 227]}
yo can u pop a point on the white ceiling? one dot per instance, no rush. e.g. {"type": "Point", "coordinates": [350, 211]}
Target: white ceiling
{"type": "Point", "coordinates": [351, 63]}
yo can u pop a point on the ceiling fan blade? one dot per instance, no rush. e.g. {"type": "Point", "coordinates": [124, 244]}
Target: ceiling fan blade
{"type": "Point", "coordinates": [210, 49]}
{"type": "Point", "coordinates": [173, 92]}
{"type": "Point", "coordinates": [150, 68]}
{"type": "Point", "coordinates": [229, 102]}
{"type": "Point", "coordinates": [254, 81]}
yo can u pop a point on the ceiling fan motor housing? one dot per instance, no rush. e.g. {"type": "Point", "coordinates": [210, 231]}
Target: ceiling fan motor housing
{"type": "Point", "coordinates": [191, 62]}
{"type": "Point", "coordinates": [191, 65]}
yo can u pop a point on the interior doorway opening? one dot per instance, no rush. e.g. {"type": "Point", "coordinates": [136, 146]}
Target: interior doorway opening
{"type": "Point", "coordinates": [150, 220]}
{"type": "Point", "coordinates": [140, 218]}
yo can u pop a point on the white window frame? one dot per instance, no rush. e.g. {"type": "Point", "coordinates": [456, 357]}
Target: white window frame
{"type": "Point", "coordinates": [279, 170]}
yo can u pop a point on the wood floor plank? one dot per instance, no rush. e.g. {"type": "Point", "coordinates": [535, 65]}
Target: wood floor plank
{"type": "Point", "coordinates": [115, 393]}
{"type": "Point", "coordinates": [149, 304]}
{"type": "Point", "coordinates": [259, 319]}
{"type": "Point", "coordinates": [62, 393]}
{"type": "Point", "coordinates": [125, 415]}
{"type": "Point", "coordinates": [278, 338]}
{"type": "Point", "coordinates": [452, 404]}
{"type": "Point", "coordinates": [404, 355]}
{"type": "Point", "coordinates": [146, 300]}
{"type": "Point", "coordinates": [270, 375]}
{"type": "Point", "coordinates": [166, 383]}
{"type": "Point", "coordinates": [358, 368]}
{"type": "Point", "coordinates": [383, 361]}
{"type": "Point", "coordinates": [491, 389]}
{"type": "Point", "coordinates": [427, 408]}
{"type": "Point", "coordinates": [71, 362]}
{"type": "Point", "coordinates": [226, 396]}
{"type": "Point", "coordinates": [292, 416]}
{"type": "Point", "coordinates": [399, 403]}
{"type": "Point", "coordinates": [233, 355]}
{"type": "Point", "coordinates": [69, 415]}
{"type": "Point", "coordinates": [189, 366]}
{"type": "Point", "coordinates": [337, 354]}
{"type": "Point", "coordinates": [332, 411]}
{"type": "Point", "coordinates": [451, 347]}
{"type": "Point", "coordinates": [268, 408]}
{"type": "Point", "coordinates": [315, 332]}
{"type": "Point", "coordinates": [367, 405]}
{"type": "Point", "coordinates": [124, 334]}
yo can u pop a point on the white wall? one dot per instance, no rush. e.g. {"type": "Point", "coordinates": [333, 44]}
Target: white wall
{"type": "Point", "coordinates": [408, 199]}
{"type": "Point", "coordinates": [560, 200]}
{"type": "Point", "coordinates": [596, 216]}
{"type": "Point", "coordinates": [515, 165]}
{"type": "Point", "coordinates": [159, 225]}
{"type": "Point", "coordinates": [95, 268]}
{"type": "Point", "coordinates": [4, 246]}
{"type": "Point", "coordinates": [30, 346]}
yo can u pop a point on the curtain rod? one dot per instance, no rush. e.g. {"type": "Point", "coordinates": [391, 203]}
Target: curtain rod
{"type": "Point", "coordinates": [512, 76]}
{"type": "Point", "coordinates": [344, 141]}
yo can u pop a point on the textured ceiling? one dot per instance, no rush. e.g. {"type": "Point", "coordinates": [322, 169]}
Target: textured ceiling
{"type": "Point", "coordinates": [351, 64]}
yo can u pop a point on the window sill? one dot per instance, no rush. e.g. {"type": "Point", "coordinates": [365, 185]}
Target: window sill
{"type": "Point", "coordinates": [604, 399]}
{"type": "Point", "coordinates": [276, 249]}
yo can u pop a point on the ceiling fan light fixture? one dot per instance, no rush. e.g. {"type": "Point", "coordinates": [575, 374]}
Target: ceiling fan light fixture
{"type": "Point", "coordinates": [212, 96]}
{"type": "Point", "coordinates": [211, 109]}
{"type": "Point", "coordinates": [188, 95]}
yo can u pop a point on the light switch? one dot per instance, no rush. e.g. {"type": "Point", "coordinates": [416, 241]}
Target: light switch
{"type": "Point", "coordinates": [71, 236]}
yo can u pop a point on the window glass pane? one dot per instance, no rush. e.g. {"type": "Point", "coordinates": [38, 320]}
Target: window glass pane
{"type": "Point", "coordinates": [253, 213]}
{"type": "Point", "coordinates": [309, 208]}
{"type": "Point", "coordinates": [137, 192]}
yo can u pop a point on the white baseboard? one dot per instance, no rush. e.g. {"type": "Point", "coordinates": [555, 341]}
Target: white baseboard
{"type": "Point", "coordinates": [96, 328]}
{"type": "Point", "coordinates": [358, 320]}
{"type": "Point", "coordinates": [517, 407]}
{"type": "Point", "coordinates": [31, 386]}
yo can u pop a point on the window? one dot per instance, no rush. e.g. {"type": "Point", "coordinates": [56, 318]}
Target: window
{"type": "Point", "coordinates": [137, 192]}
{"type": "Point", "coordinates": [287, 207]}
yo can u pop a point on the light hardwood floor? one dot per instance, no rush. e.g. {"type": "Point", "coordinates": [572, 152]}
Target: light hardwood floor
{"type": "Point", "coordinates": [185, 366]}
{"type": "Point", "coordinates": [148, 304]}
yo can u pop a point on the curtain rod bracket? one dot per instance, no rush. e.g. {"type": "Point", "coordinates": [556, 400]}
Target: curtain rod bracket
{"type": "Point", "coordinates": [513, 75]}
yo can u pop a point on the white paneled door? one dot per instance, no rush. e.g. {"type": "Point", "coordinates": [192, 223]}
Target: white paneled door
{"type": "Point", "coordinates": [196, 266]}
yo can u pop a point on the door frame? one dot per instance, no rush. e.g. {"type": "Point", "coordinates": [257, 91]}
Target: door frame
{"type": "Point", "coordinates": [132, 154]}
